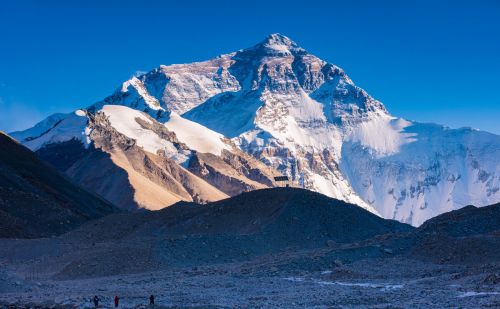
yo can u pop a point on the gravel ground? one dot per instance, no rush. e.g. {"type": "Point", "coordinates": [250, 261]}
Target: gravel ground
{"type": "Point", "coordinates": [373, 283]}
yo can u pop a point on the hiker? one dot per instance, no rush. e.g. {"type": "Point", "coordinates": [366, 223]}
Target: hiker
{"type": "Point", "coordinates": [117, 300]}
{"type": "Point", "coordinates": [96, 301]}
{"type": "Point", "coordinates": [151, 300]}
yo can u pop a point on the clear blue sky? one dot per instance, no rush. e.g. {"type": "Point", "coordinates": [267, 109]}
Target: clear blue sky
{"type": "Point", "coordinates": [430, 61]}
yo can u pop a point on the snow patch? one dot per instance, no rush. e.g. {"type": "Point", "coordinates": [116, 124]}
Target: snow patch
{"type": "Point", "coordinates": [73, 126]}
{"type": "Point", "coordinates": [151, 101]}
{"type": "Point", "coordinates": [81, 113]}
{"type": "Point", "coordinates": [472, 294]}
{"type": "Point", "coordinates": [381, 286]}
{"type": "Point", "coordinates": [383, 134]}
{"type": "Point", "coordinates": [39, 129]}
{"type": "Point", "coordinates": [123, 119]}
{"type": "Point", "coordinates": [196, 136]}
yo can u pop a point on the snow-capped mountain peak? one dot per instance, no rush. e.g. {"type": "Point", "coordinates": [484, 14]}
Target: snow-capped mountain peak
{"type": "Point", "coordinates": [278, 45]}
{"type": "Point", "coordinates": [307, 119]}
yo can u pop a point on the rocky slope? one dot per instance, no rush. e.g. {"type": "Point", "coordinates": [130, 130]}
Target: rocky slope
{"type": "Point", "coordinates": [253, 224]}
{"type": "Point", "coordinates": [305, 118]}
{"type": "Point", "coordinates": [134, 161]}
{"type": "Point", "coordinates": [469, 235]}
{"type": "Point", "coordinates": [37, 201]}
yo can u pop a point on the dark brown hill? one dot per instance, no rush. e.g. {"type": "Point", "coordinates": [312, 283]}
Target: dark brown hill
{"type": "Point", "coordinates": [466, 221]}
{"type": "Point", "coordinates": [283, 215]}
{"type": "Point", "coordinates": [36, 200]}
{"type": "Point", "coordinates": [469, 235]}
{"type": "Point", "coordinates": [290, 214]}
{"type": "Point", "coordinates": [253, 224]}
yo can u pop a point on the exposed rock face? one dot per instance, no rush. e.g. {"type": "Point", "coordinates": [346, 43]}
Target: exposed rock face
{"type": "Point", "coordinates": [157, 180]}
{"type": "Point", "coordinates": [123, 172]}
{"type": "Point", "coordinates": [302, 117]}
{"type": "Point", "coordinates": [36, 200]}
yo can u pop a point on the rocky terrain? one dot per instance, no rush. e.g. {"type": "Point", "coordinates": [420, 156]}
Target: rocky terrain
{"type": "Point", "coordinates": [36, 200]}
{"type": "Point", "coordinates": [280, 247]}
{"type": "Point", "coordinates": [466, 236]}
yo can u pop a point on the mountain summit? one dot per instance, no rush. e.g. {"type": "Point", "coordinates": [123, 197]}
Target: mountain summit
{"type": "Point", "coordinates": [279, 43]}
{"type": "Point", "coordinates": [206, 130]}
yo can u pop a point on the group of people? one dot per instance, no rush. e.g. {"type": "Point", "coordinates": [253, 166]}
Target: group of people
{"type": "Point", "coordinates": [96, 300]}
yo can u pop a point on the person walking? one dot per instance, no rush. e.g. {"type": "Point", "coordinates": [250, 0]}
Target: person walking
{"type": "Point", "coordinates": [151, 300]}
{"type": "Point", "coordinates": [96, 301]}
{"type": "Point", "coordinates": [117, 301]}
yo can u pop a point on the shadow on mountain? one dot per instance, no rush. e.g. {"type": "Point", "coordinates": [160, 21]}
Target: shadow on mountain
{"type": "Point", "coordinates": [36, 200]}
{"type": "Point", "coordinates": [92, 169]}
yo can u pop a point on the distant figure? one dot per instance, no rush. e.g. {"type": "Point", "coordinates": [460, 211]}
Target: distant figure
{"type": "Point", "coordinates": [117, 300]}
{"type": "Point", "coordinates": [96, 301]}
{"type": "Point", "coordinates": [151, 300]}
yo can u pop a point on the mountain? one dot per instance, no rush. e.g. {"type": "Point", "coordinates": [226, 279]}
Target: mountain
{"type": "Point", "coordinates": [37, 201]}
{"type": "Point", "coordinates": [276, 106]}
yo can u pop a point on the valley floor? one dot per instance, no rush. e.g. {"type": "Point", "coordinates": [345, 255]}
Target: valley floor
{"type": "Point", "coordinates": [375, 283]}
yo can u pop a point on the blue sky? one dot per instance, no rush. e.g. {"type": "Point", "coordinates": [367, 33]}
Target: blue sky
{"type": "Point", "coordinates": [430, 61]}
